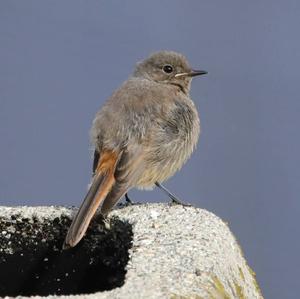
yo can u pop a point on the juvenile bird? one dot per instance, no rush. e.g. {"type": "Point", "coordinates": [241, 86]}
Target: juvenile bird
{"type": "Point", "coordinates": [142, 135]}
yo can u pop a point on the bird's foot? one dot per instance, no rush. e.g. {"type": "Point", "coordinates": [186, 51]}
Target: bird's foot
{"type": "Point", "coordinates": [174, 199]}
{"type": "Point", "coordinates": [129, 202]}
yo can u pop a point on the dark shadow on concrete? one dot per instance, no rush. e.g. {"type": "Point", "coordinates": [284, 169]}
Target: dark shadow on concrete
{"type": "Point", "coordinates": [38, 266]}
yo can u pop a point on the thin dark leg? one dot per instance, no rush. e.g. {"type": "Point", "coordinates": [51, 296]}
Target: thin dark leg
{"type": "Point", "coordinates": [128, 200]}
{"type": "Point", "coordinates": [172, 196]}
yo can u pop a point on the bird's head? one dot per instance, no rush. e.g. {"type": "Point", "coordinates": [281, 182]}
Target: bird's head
{"type": "Point", "coordinates": [168, 67]}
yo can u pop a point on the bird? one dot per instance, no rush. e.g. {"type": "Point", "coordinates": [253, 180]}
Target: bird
{"type": "Point", "coordinates": [142, 135]}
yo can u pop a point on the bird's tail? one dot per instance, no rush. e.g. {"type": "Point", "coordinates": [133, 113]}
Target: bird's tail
{"type": "Point", "coordinates": [102, 183]}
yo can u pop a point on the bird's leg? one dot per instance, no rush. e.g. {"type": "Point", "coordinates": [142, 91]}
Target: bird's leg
{"type": "Point", "coordinates": [128, 200]}
{"type": "Point", "coordinates": [172, 196]}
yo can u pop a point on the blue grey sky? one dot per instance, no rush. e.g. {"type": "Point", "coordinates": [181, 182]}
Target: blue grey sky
{"type": "Point", "coordinates": [60, 60]}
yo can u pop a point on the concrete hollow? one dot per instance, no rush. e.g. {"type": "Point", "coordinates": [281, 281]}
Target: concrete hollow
{"type": "Point", "coordinates": [32, 261]}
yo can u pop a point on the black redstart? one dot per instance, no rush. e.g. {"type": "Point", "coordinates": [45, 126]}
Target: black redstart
{"type": "Point", "coordinates": [142, 135]}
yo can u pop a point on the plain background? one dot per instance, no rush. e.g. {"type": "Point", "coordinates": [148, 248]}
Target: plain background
{"type": "Point", "coordinates": [60, 60]}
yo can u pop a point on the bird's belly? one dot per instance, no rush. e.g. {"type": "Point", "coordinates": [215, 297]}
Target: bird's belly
{"type": "Point", "coordinates": [162, 170]}
{"type": "Point", "coordinates": [167, 156]}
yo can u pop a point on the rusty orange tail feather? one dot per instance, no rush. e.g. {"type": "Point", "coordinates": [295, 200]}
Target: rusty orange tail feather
{"type": "Point", "coordinates": [102, 183]}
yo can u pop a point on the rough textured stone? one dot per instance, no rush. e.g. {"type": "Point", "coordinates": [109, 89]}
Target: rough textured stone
{"type": "Point", "coordinates": [168, 252]}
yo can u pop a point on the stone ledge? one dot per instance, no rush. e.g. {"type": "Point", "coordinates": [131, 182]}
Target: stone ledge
{"type": "Point", "coordinates": [167, 251]}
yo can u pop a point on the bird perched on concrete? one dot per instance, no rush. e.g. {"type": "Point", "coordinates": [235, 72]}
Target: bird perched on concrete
{"type": "Point", "coordinates": [142, 135]}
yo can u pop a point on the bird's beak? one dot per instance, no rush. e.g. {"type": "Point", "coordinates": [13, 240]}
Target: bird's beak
{"type": "Point", "coordinates": [192, 73]}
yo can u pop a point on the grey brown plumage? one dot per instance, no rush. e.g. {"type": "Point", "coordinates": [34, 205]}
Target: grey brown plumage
{"type": "Point", "coordinates": [143, 134]}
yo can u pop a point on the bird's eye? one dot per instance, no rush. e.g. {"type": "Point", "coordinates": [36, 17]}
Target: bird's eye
{"type": "Point", "coordinates": [167, 68]}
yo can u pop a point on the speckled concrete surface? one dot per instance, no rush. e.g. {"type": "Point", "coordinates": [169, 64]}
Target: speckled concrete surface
{"type": "Point", "coordinates": [177, 252]}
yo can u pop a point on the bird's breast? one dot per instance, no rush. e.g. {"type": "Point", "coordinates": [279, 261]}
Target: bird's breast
{"type": "Point", "coordinates": [172, 142]}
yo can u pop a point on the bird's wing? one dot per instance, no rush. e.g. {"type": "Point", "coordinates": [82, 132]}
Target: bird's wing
{"type": "Point", "coordinates": [129, 169]}
{"type": "Point", "coordinates": [102, 183]}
